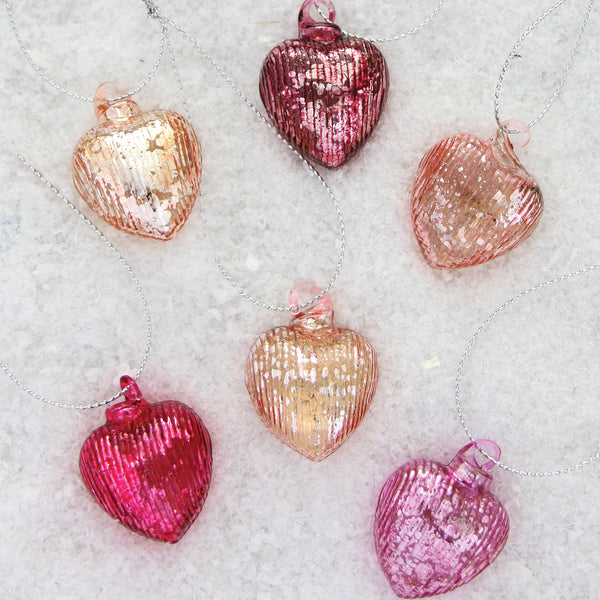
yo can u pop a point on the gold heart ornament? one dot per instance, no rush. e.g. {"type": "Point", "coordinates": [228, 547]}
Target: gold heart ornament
{"type": "Point", "coordinates": [139, 171]}
{"type": "Point", "coordinates": [310, 382]}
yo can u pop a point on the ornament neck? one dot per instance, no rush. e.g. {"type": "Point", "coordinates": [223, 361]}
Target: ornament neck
{"type": "Point", "coordinates": [319, 31]}
{"type": "Point", "coordinates": [115, 111]}
{"type": "Point", "coordinates": [133, 405]}
{"type": "Point", "coordinates": [317, 316]}
{"type": "Point", "coordinates": [467, 468]}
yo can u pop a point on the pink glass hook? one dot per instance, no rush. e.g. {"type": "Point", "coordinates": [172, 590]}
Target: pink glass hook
{"type": "Point", "coordinates": [515, 127]}
{"type": "Point", "coordinates": [324, 30]}
{"type": "Point", "coordinates": [473, 454]}
{"type": "Point", "coordinates": [324, 306]}
{"type": "Point", "coordinates": [131, 407]}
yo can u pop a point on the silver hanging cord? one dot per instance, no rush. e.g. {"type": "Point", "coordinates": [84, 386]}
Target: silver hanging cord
{"type": "Point", "coordinates": [47, 79]}
{"type": "Point", "coordinates": [514, 54]}
{"type": "Point", "coordinates": [136, 283]}
{"type": "Point", "coordinates": [393, 38]}
{"type": "Point", "coordinates": [166, 22]}
{"type": "Point", "coordinates": [461, 367]}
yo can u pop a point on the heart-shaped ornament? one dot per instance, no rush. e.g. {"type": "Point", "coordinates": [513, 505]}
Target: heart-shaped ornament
{"type": "Point", "coordinates": [139, 171]}
{"type": "Point", "coordinates": [437, 526]}
{"type": "Point", "coordinates": [310, 382]}
{"type": "Point", "coordinates": [325, 91]}
{"type": "Point", "coordinates": [149, 466]}
{"type": "Point", "coordinates": [472, 201]}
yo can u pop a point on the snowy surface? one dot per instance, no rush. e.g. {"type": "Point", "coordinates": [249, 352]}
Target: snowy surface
{"type": "Point", "coordinates": [276, 526]}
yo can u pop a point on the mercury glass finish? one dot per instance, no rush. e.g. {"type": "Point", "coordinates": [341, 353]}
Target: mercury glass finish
{"type": "Point", "coordinates": [310, 382]}
{"type": "Point", "coordinates": [438, 526]}
{"type": "Point", "coordinates": [140, 171]}
{"type": "Point", "coordinates": [472, 201]}
{"type": "Point", "coordinates": [149, 466]}
{"type": "Point", "coordinates": [324, 92]}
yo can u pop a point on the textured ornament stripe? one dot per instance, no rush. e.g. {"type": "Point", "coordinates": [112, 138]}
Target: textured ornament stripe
{"type": "Point", "coordinates": [151, 474]}
{"type": "Point", "coordinates": [142, 176]}
{"type": "Point", "coordinates": [432, 533]}
{"type": "Point", "coordinates": [325, 97]}
{"type": "Point", "coordinates": [311, 392]}
{"type": "Point", "coordinates": [472, 201]}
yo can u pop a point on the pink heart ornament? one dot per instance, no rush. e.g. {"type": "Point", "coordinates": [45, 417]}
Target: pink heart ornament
{"type": "Point", "coordinates": [437, 526]}
{"type": "Point", "coordinates": [325, 91]}
{"type": "Point", "coordinates": [149, 466]}
{"type": "Point", "coordinates": [472, 201]}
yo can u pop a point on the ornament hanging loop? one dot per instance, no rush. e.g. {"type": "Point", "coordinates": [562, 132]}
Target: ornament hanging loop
{"type": "Point", "coordinates": [515, 127]}
{"type": "Point", "coordinates": [321, 31]}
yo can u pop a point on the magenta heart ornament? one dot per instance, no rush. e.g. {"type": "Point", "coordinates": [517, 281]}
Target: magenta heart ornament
{"type": "Point", "coordinates": [438, 526]}
{"type": "Point", "coordinates": [149, 466]}
{"type": "Point", "coordinates": [324, 92]}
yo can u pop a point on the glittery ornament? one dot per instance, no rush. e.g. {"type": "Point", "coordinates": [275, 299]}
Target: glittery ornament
{"type": "Point", "coordinates": [325, 91]}
{"type": "Point", "coordinates": [438, 526]}
{"type": "Point", "coordinates": [149, 466]}
{"type": "Point", "coordinates": [140, 171]}
{"type": "Point", "coordinates": [310, 382]}
{"type": "Point", "coordinates": [472, 201]}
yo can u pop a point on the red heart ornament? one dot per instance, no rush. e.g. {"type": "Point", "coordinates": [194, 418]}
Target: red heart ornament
{"type": "Point", "coordinates": [139, 171]}
{"type": "Point", "coordinates": [438, 526]}
{"type": "Point", "coordinates": [472, 201]}
{"type": "Point", "coordinates": [149, 466]}
{"type": "Point", "coordinates": [325, 91]}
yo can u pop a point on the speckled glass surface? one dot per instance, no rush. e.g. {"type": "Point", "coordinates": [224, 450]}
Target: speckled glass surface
{"type": "Point", "coordinates": [149, 466]}
{"type": "Point", "coordinates": [438, 526]}
{"type": "Point", "coordinates": [310, 382]}
{"type": "Point", "coordinates": [140, 171]}
{"type": "Point", "coordinates": [472, 201]}
{"type": "Point", "coordinates": [324, 91]}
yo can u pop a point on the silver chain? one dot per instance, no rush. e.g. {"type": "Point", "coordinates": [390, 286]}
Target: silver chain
{"type": "Point", "coordinates": [513, 54]}
{"type": "Point", "coordinates": [166, 22]}
{"type": "Point", "coordinates": [63, 90]}
{"type": "Point", "coordinates": [393, 38]}
{"type": "Point", "coordinates": [136, 283]}
{"type": "Point", "coordinates": [461, 367]}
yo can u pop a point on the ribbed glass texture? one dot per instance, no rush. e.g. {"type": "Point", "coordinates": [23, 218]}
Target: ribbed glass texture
{"type": "Point", "coordinates": [437, 526]}
{"type": "Point", "coordinates": [140, 171]}
{"type": "Point", "coordinates": [311, 383]}
{"type": "Point", "coordinates": [472, 201]}
{"type": "Point", "coordinates": [149, 466]}
{"type": "Point", "coordinates": [324, 92]}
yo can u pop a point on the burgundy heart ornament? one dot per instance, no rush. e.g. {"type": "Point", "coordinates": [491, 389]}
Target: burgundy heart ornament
{"type": "Point", "coordinates": [149, 466]}
{"type": "Point", "coordinates": [324, 91]}
{"type": "Point", "coordinates": [472, 201]}
{"type": "Point", "coordinates": [437, 526]}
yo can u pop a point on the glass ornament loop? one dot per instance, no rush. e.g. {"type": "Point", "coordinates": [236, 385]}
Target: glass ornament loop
{"type": "Point", "coordinates": [110, 105]}
{"type": "Point", "coordinates": [320, 31]}
{"type": "Point", "coordinates": [130, 408]}
{"type": "Point", "coordinates": [317, 315]}
{"type": "Point", "coordinates": [516, 127]}
{"type": "Point", "coordinates": [467, 466]}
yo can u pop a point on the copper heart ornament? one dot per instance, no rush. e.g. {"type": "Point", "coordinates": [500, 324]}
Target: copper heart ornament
{"type": "Point", "coordinates": [472, 201]}
{"type": "Point", "coordinates": [325, 91]}
{"type": "Point", "coordinates": [310, 382]}
{"type": "Point", "coordinates": [149, 466]}
{"type": "Point", "coordinates": [139, 171]}
{"type": "Point", "coordinates": [438, 526]}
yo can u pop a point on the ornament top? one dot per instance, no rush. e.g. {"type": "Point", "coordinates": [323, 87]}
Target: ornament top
{"type": "Point", "coordinates": [319, 31]}
{"type": "Point", "coordinates": [468, 470]}
{"type": "Point", "coordinates": [133, 405]}
{"type": "Point", "coordinates": [110, 105]}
